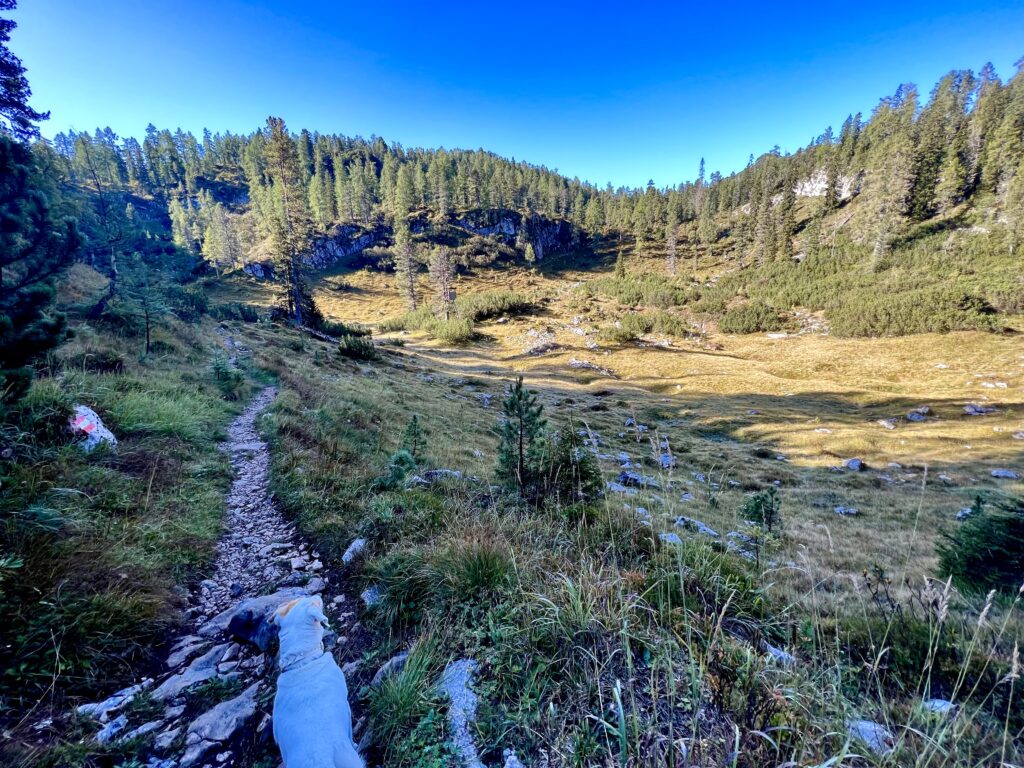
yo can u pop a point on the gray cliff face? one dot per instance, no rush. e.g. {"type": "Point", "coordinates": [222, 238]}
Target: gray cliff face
{"type": "Point", "coordinates": [547, 235]}
{"type": "Point", "coordinates": [512, 228]}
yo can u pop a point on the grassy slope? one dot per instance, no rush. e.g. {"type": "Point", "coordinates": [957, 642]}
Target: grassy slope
{"type": "Point", "coordinates": [106, 541]}
{"type": "Point", "coordinates": [547, 601]}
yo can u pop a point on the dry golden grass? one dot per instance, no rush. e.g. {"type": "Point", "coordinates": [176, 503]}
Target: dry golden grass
{"type": "Point", "coordinates": [752, 410]}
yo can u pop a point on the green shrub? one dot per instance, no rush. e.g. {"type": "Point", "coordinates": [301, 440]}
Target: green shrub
{"type": "Point", "coordinates": [894, 313]}
{"type": "Point", "coordinates": [454, 331]}
{"type": "Point", "coordinates": [987, 550]}
{"type": "Point", "coordinates": [763, 509]}
{"type": "Point", "coordinates": [571, 471]}
{"type": "Point", "coordinates": [357, 348]}
{"type": "Point", "coordinates": [245, 313]}
{"type": "Point", "coordinates": [753, 317]}
{"type": "Point", "coordinates": [480, 306]}
{"type": "Point", "coordinates": [335, 328]}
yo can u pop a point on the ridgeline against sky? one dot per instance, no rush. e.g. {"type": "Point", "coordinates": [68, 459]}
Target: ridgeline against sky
{"type": "Point", "coordinates": [596, 93]}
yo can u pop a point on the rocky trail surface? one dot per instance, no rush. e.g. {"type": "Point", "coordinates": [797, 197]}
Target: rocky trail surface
{"type": "Point", "coordinates": [212, 705]}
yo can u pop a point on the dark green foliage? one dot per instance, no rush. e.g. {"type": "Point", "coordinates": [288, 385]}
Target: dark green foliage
{"type": "Point", "coordinates": [400, 466]}
{"type": "Point", "coordinates": [632, 325]}
{"type": "Point", "coordinates": [987, 550]}
{"type": "Point", "coordinates": [16, 116]}
{"type": "Point", "coordinates": [245, 313]}
{"type": "Point", "coordinates": [33, 251]}
{"type": "Point", "coordinates": [571, 473]}
{"type": "Point", "coordinates": [336, 328]}
{"type": "Point", "coordinates": [753, 317]}
{"type": "Point", "coordinates": [931, 310]}
{"type": "Point", "coordinates": [414, 441]}
{"type": "Point", "coordinates": [763, 509]}
{"type": "Point", "coordinates": [520, 456]}
{"type": "Point", "coordinates": [357, 348]}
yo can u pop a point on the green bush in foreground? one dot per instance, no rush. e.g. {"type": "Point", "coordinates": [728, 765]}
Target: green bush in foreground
{"type": "Point", "coordinates": [987, 551]}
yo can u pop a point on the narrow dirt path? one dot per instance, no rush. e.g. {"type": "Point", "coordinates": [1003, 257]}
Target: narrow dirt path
{"type": "Point", "coordinates": [211, 707]}
{"type": "Point", "coordinates": [253, 552]}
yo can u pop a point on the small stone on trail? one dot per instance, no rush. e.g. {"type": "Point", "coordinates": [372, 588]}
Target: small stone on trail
{"type": "Point", "coordinates": [1005, 474]}
{"type": "Point", "coordinates": [855, 465]}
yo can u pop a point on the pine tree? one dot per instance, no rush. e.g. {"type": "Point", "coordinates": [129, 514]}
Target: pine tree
{"type": "Point", "coordinates": [521, 452]}
{"type": "Point", "coordinates": [671, 238]}
{"type": "Point", "coordinates": [290, 224]}
{"type": "Point", "coordinates": [620, 264]}
{"type": "Point", "coordinates": [530, 255]}
{"type": "Point", "coordinates": [1014, 210]}
{"type": "Point", "coordinates": [414, 441]}
{"type": "Point", "coordinates": [16, 116]}
{"type": "Point", "coordinates": [785, 217]}
{"type": "Point", "coordinates": [34, 249]}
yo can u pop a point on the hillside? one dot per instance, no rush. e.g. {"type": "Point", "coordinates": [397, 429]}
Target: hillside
{"type": "Point", "coordinates": [727, 473]}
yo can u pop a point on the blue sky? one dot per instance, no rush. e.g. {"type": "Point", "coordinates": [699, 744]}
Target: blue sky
{"type": "Point", "coordinates": [621, 93]}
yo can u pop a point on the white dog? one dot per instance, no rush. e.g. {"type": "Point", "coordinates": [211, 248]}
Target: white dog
{"type": "Point", "coordinates": [312, 718]}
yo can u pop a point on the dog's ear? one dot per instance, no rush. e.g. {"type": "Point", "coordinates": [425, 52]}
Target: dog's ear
{"type": "Point", "coordinates": [317, 612]}
{"type": "Point", "coordinates": [282, 611]}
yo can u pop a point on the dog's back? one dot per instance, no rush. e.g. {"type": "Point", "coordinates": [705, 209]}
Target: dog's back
{"type": "Point", "coordinates": [312, 718]}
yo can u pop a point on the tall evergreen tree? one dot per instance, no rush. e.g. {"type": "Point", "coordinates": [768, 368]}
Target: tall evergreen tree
{"type": "Point", "coordinates": [290, 225]}
{"type": "Point", "coordinates": [16, 116]}
{"type": "Point", "coordinates": [442, 275]}
{"type": "Point", "coordinates": [33, 251]}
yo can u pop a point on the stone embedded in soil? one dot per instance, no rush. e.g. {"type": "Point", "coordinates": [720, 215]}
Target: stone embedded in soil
{"type": "Point", "coordinates": [199, 671]}
{"type": "Point", "coordinates": [218, 725]}
{"type": "Point", "coordinates": [102, 709]}
{"type": "Point", "coordinates": [876, 736]}
{"type": "Point", "coordinates": [355, 549]}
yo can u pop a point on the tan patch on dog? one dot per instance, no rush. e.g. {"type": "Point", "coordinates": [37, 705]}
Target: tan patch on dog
{"type": "Point", "coordinates": [284, 609]}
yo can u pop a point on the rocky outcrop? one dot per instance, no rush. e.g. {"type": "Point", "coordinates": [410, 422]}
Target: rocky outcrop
{"type": "Point", "coordinates": [346, 240]}
{"type": "Point", "coordinates": [548, 236]}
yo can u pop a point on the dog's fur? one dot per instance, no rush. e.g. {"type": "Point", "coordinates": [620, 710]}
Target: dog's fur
{"type": "Point", "coordinates": [312, 718]}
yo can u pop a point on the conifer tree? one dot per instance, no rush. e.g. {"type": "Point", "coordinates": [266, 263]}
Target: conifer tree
{"type": "Point", "coordinates": [785, 216]}
{"type": "Point", "coordinates": [1014, 210]}
{"type": "Point", "coordinates": [521, 452]}
{"type": "Point", "coordinates": [671, 238]}
{"type": "Point", "coordinates": [16, 116]}
{"type": "Point", "coordinates": [290, 225]}
{"type": "Point", "coordinates": [34, 249]}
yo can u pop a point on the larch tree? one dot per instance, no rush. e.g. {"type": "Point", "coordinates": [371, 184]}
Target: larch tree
{"type": "Point", "coordinates": [442, 276]}
{"type": "Point", "coordinates": [290, 225]}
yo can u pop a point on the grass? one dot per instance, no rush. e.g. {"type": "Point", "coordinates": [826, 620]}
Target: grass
{"type": "Point", "coordinates": [599, 639]}
{"type": "Point", "coordinates": [110, 534]}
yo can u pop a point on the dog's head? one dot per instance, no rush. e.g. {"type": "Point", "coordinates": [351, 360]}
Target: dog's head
{"type": "Point", "coordinates": [301, 623]}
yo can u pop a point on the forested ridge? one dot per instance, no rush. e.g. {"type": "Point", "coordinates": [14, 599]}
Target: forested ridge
{"type": "Point", "coordinates": [941, 174]}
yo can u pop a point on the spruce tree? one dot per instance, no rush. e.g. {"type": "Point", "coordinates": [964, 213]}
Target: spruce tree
{"type": "Point", "coordinates": [671, 240]}
{"type": "Point", "coordinates": [442, 275]}
{"type": "Point", "coordinates": [520, 455]}
{"type": "Point", "coordinates": [34, 249]}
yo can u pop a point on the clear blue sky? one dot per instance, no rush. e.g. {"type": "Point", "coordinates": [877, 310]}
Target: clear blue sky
{"type": "Point", "coordinates": [618, 93]}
